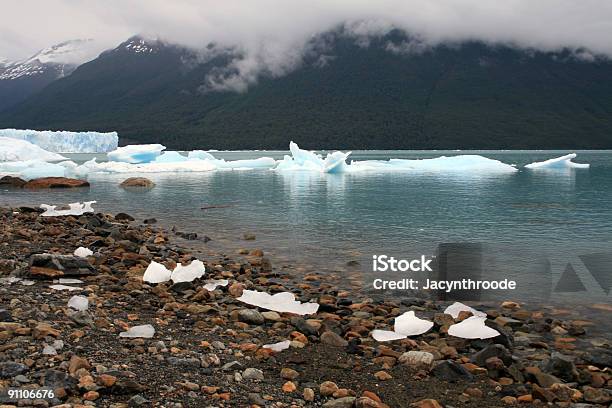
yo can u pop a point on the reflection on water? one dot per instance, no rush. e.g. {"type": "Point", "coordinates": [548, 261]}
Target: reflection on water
{"type": "Point", "coordinates": [525, 220]}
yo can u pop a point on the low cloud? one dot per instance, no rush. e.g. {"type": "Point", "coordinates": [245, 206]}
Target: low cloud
{"type": "Point", "coordinates": [272, 37]}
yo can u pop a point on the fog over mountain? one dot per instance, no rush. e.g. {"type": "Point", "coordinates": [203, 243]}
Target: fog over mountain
{"type": "Point", "coordinates": [272, 37]}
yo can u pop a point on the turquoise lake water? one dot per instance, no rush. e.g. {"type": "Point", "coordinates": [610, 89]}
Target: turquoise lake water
{"type": "Point", "coordinates": [550, 230]}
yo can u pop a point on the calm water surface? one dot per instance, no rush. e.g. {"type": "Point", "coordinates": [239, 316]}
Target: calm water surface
{"type": "Point", "coordinates": [531, 224]}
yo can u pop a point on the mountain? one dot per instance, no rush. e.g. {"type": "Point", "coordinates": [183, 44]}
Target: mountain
{"type": "Point", "coordinates": [391, 93]}
{"type": "Point", "coordinates": [20, 79]}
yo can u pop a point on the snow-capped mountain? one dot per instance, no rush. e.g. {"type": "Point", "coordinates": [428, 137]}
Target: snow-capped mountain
{"type": "Point", "coordinates": [20, 79]}
{"type": "Point", "coordinates": [61, 59]}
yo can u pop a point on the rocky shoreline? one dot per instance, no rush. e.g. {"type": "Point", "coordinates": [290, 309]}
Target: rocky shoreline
{"type": "Point", "coordinates": [207, 347]}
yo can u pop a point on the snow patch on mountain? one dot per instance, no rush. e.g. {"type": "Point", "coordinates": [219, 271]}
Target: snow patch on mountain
{"type": "Point", "coordinates": [61, 59]}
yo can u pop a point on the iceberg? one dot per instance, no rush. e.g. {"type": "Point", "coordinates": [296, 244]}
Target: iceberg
{"type": "Point", "coordinates": [563, 162]}
{"type": "Point", "coordinates": [472, 328]}
{"type": "Point", "coordinates": [303, 160]}
{"type": "Point", "coordinates": [32, 169]}
{"type": "Point", "coordinates": [74, 209]}
{"type": "Point", "coordinates": [15, 150]}
{"type": "Point", "coordinates": [200, 155]}
{"type": "Point", "coordinates": [283, 302]}
{"type": "Point", "coordinates": [170, 157]}
{"type": "Point", "coordinates": [459, 307]}
{"type": "Point", "coordinates": [64, 141]}
{"type": "Point", "coordinates": [144, 153]}
{"type": "Point", "coordinates": [405, 325]}
{"type": "Point", "coordinates": [144, 331]}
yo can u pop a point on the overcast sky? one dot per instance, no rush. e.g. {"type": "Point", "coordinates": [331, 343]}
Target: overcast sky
{"type": "Point", "coordinates": [28, 25]}
{"type": "Point", "coordinates": [272, 32]}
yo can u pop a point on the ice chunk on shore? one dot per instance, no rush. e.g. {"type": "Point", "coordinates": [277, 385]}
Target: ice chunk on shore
{"type": "Point", "coordinates": [64, 287]}
{"type": "Point", "coordinates": [156, 273]}
{"type": "Point", "coordinates": [214, 284]}
{"type": "Point", "coordinates": [69, 281]}
{"type": "Point", "coordinates": [64, 141]}
{"type": "Point", "coordinates": [563, 162]}
{"type": "Point", "coordinates": [145, 331]}
{"type": "Point", "coordinates": [472, 328]}
{"type": "Point", "coordinates": [15, 150]}
{"type": "Point", "coordinates": [80, 303]}
{"type": "Point", "coordinates": [459, 307]}
{"type": "Point", "coordinates": [405, 325]}
{"type": "Point", "coordinates": [277, 347]}
{"type": "Point", "coordinates": [74, 209]}
{"type": "Point", "coordinates": [188, 273]}
{"type": "Point", "coordinates": [283, 302]}
{"type": "Point", "coordinates": [83, 252]}
{"type": "Point", "coordinates": [144, 153]}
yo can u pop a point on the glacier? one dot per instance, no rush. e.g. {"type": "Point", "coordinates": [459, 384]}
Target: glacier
{"type": "Point", "coordinates": [563, 162]}
{"type": "Point", "coordinates": [12, 150]}
{"type": "Point", "coordinates": [65, 141]}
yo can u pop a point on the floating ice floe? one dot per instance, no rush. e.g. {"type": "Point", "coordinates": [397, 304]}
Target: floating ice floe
{"type": "Point", "coordinates": [144, 153]}
{"type": "Point", "coordinates": [158, 273]}
{"type": "Point", "coordinates": [64, 141]}
{"type": "Point", "coordinates": [405, 325]}
{"type": "Point", "coordinates": [145, 331]}
{"type": "Point", "coordinates": [188, 273]}
{"type": "Point", "coordinates": [80, 303]}
{"type": "Point", "coordinates": [83, 252]}
{"type": "Point", "coordinates": [32, 169]}
{"type": "Point", "coordinates": [170, 157]}
{"type": "Point", "coordinates": [283, 302]}
{"type": "Point", "coordinates": [563, 162]}
{"type": "Point", "coordinates": [200, 155]}
{"type": "Point", "coordinates": [277, 347]}
{"type": "Point", "coordinates": [64, 287]}
{"type": "Point", "coordinates": [303, 160]}
{"type": "Point", "coordinates": [74, 209]}
{"type": "Point", "coordinates": [214, 284]}
{"type": "Point", "coordinates": [14, 150]}
{"type": "Point", "coordinates": [472, 328]}
{"type": "Point", "coordinates": [459, 307]}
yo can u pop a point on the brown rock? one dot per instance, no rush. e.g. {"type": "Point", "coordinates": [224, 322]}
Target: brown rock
{"type": "Point", "coordinates": [289, 374]}
{"type": "Point", "coordinates": [426, 403]}
{"type": "Point", "coordinates": [43, 330]}
{"type": "Point", "coordinates": [289, 386]}
{"type": "Point", "coordinates": [327, 388]}
{"type": "Point", "coordinates": [10, 181]}
{"type": "Point", "coordinates": [509, 400]}
{"type": "Point", "coordinates": [55, 182]}
{"type": "Point", "coordinates": [333, 339]}
{"type": "Point", "coordinates": [76, 363]}
{"type": "Point", "coordinates": [137, 182]}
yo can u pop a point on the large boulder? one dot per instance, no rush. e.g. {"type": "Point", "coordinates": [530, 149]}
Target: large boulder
{"type": "Point", "coordinates": [137, 182]}
{"type": "Point", "coordinates": [10, 181]}
{"type": "Point", "coordinates": [55, 182]}
{"type": "Point", "coordinates": [52, 266]}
